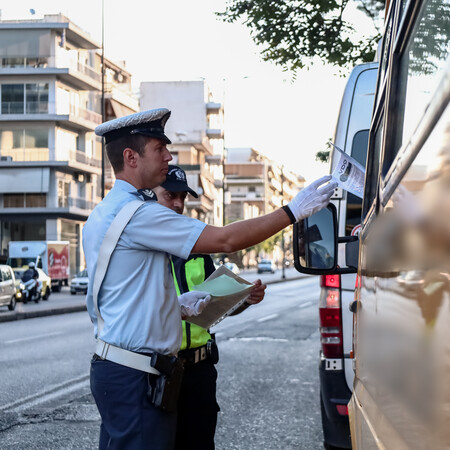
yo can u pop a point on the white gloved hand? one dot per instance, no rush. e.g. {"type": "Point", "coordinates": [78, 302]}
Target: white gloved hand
{"type": "Point", "coordinates": [193, 303]}
{"type": "Point", "coordinates": [312, 198]}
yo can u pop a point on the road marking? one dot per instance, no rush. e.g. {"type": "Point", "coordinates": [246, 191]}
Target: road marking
{"type": "Point", "coordinates": [258, 339]}
{"type": "Point", "coordinates": [305, 305]}
{"type": "Point", "coordinates": [36, 336]}
{"type": "Point", "coordinates": [263, 319]}
{"type": "Point", "coordinates": [47, 395]}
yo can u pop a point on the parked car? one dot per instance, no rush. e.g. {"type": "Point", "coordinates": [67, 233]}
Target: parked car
{"type": "Point", "coordinates": [45, 280]}
{"type": "Point", "coordinates": [79, 283]}
{"type": "Point", "coordinates": [266, 265]}
{"type": "Point", "coordinates": [7, 287]}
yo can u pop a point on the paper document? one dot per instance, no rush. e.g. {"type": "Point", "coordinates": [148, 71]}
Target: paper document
{"type": "Point", "coordinates": [228, 292]}
{"type": "Point", "coordinates": [347, 172]}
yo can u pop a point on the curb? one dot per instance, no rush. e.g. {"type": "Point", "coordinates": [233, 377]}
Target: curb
{"type": "Point", "coordinates": [78, 308]}
{"type": "Point", "coordinates": [42, 313]}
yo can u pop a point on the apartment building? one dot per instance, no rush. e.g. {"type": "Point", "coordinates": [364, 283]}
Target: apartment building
{"type": "Point", "coordinates": [196, 131]}
{"type": "Point", "coordinates": [255, 185]}
{"type": "Point", "coordinates": [50, 158]}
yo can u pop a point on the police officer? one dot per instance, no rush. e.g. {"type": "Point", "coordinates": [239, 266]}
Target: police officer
{"type": "Point", "coordinates": [137, 313]}
{"type": "Point", "coordinates": [197, 405]}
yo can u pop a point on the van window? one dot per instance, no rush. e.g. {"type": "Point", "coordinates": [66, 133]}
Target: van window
{"type": "Point", "coordinates": [421, 65]}
{"type": "Point", "coordinates": [359, 153]}
{"type": "Point", "coordinates": [371, 182]}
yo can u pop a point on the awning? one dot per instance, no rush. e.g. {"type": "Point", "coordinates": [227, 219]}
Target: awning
{"type": "Point", "coordinates": [119, 109]}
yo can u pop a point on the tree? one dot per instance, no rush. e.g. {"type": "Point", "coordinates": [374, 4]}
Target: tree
{"type": "Point", "coordinates": [293, 32]}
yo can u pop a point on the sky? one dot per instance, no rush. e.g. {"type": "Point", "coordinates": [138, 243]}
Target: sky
{"type": "Point", "coordinates": [288, 121]}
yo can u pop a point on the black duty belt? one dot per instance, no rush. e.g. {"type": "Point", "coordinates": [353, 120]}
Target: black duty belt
{"type": "Point", "coordinates": [193, 356]}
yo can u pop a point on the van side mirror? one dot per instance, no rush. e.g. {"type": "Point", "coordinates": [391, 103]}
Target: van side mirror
{"type": "Point", "coordinates": [315, 243]}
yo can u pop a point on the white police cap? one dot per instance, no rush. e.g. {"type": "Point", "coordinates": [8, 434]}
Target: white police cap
{"type": "Point", "coordinates": [149, 123]}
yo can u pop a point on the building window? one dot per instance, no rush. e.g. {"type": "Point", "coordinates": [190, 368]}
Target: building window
{"type": "Point", "coordinates": [30, 98]}
{"type": "Point", "coordinates": [63, 193]}
{"type": "Point", "coordinates": [24, 200]}
{"type": "Point", "coordinates": [29, 144]}
{"type": "Point", "coordinates": [12, 98]}
{"type": "Point", "coordinates": [37, 98]}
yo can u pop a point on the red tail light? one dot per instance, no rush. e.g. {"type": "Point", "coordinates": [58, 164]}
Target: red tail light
{"type": "Point", "coordinates": [330, 316]}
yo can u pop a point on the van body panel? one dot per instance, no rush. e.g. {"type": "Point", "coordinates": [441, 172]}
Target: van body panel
{"type": "Point", "coordinates": [401, 396]}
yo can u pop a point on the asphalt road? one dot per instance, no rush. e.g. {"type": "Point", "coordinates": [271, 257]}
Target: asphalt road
{"type": "Point", "coordinates": [267, 387]}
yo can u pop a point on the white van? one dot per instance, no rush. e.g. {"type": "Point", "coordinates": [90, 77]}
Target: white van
{"type": "Point", "coordinates": [335, 368]}
{"type": "Point", "coordinates": [401, 333]}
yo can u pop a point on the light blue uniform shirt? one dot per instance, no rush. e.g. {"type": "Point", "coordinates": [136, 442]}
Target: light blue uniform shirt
{"type": "Point", "coordinates": [137, 299]}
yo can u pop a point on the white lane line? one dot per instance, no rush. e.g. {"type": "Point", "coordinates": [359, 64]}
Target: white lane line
{"type": "Point", "coordinates": [47, 394]}
{"type": "Point", "coordinates": [271, 316]}
{"type": "Point", "coordinates": [305, 305]}
{"type": "Point", "coordinates": [36, 336]}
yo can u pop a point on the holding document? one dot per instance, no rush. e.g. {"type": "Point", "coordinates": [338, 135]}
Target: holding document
{"type": "Point", "coordinates": [347, 172]}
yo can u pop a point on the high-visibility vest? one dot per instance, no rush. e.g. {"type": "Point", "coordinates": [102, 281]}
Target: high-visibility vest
{"type": "Point", "coordinates": [187, 274]}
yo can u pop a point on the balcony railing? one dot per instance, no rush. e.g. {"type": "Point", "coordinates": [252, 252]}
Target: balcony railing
{"type": "Point", "coordinates": [25, 107]}
{"type": "Point", "coordinates": [82, 203]}
{"type": "Point", "coordinates": [44, 108]}
{"type": "Point", "coordinates": [43, 154]}
{"type": "Point", "coordinates": [42, 62]}
{"type": "Point", "coordinates": [76, 155]}
{"type": "Point", "coordinates": [24, 154]}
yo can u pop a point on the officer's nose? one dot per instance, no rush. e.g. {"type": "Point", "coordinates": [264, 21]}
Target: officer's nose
{"type": "Point", "coordinates": [167, 156]}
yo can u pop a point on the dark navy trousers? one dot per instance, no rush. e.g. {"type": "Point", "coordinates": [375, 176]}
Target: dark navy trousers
{"type": "Point", "coordinates": [129, 420]}
{"type": "Point", "coordinates": [197, 408]}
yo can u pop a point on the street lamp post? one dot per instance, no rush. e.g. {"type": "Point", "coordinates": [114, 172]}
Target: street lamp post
{"type": "Point", "coordinates": [103, 97]}
{"type": "Point", "coordinates": [283, 273]}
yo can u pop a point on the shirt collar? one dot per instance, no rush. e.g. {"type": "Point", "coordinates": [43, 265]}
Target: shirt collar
{"type": "Point", "coordinates": [124, 186]}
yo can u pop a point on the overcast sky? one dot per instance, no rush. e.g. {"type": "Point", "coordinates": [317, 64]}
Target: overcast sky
{"type": "Point", "coordinates": [183, 40]}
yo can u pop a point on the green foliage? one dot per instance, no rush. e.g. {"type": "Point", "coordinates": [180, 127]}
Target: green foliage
{"type": "Point", "coordinates": [293, 32]}
{"type": "Point", "coordinates": [323, 156]}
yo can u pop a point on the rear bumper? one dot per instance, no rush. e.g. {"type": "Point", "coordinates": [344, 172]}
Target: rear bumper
{"type": "Point", "coordinates": [334, 393]}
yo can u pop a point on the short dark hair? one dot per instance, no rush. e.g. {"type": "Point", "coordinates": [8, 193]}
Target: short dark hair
{"type": "Point", "coordinates": [114, 149]}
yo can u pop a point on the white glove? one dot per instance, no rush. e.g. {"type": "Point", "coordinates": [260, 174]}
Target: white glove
{"type": "Point", "coordinates": [312, 198]}
{"type": "Point", "coordinates": [193, 303]}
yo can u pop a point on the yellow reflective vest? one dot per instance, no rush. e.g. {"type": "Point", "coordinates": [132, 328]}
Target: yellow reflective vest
{"type": "Point", "coordinates": [187, 274]}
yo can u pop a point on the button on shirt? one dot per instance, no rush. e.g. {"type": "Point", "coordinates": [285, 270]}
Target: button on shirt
{"type": "Point", "coordinates": [137, 299]}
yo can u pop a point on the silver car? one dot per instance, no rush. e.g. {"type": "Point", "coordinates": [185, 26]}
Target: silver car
{"type": "Point", "coordinates": [7, 287]}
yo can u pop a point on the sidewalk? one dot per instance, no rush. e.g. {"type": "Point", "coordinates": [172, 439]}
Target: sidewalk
{"type": "Point", "coordinates": [64, 303]}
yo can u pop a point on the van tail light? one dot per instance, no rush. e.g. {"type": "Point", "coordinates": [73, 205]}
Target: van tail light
{"type": "Point", "coordinates": [330, 316]}
{"type": "Point", "coordinates": [342, 410]}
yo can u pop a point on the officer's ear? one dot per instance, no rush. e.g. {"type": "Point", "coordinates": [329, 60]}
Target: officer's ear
{"type": "Point", "coordinates": [130, 157]}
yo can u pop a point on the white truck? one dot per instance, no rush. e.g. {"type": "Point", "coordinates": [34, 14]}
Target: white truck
{"type": "Point", "coordinates": [50, 256]}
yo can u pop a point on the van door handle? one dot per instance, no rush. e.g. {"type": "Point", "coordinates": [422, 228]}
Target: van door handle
{"type": "Point", "coordinates": [354, 305]}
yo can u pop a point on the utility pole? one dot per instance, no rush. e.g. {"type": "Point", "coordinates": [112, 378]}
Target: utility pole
{"type": "Point", "coordinates": [224, 155]}
{"type": "Point", "coordinates": [103, 97]}
{"type": "Point", "coordinates": [283, 250]}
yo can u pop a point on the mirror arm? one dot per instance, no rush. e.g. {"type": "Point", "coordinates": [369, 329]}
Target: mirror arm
{"type": "Point", "coordinates": [342, 239]}
{"type": "Point", "coordinates": [341, 270]}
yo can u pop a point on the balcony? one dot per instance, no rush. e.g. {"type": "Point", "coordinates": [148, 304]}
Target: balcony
{"type": "Point", "coordinates": [214, 133]}
{"type": "Point", "coordinates": [65, 67]}
{"type": "Point", "coordinates": [71, 160]}
{"type": "Point", "coordinates": [82, 119]}
{"type": "Point", "coordinates": [213, 108]}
